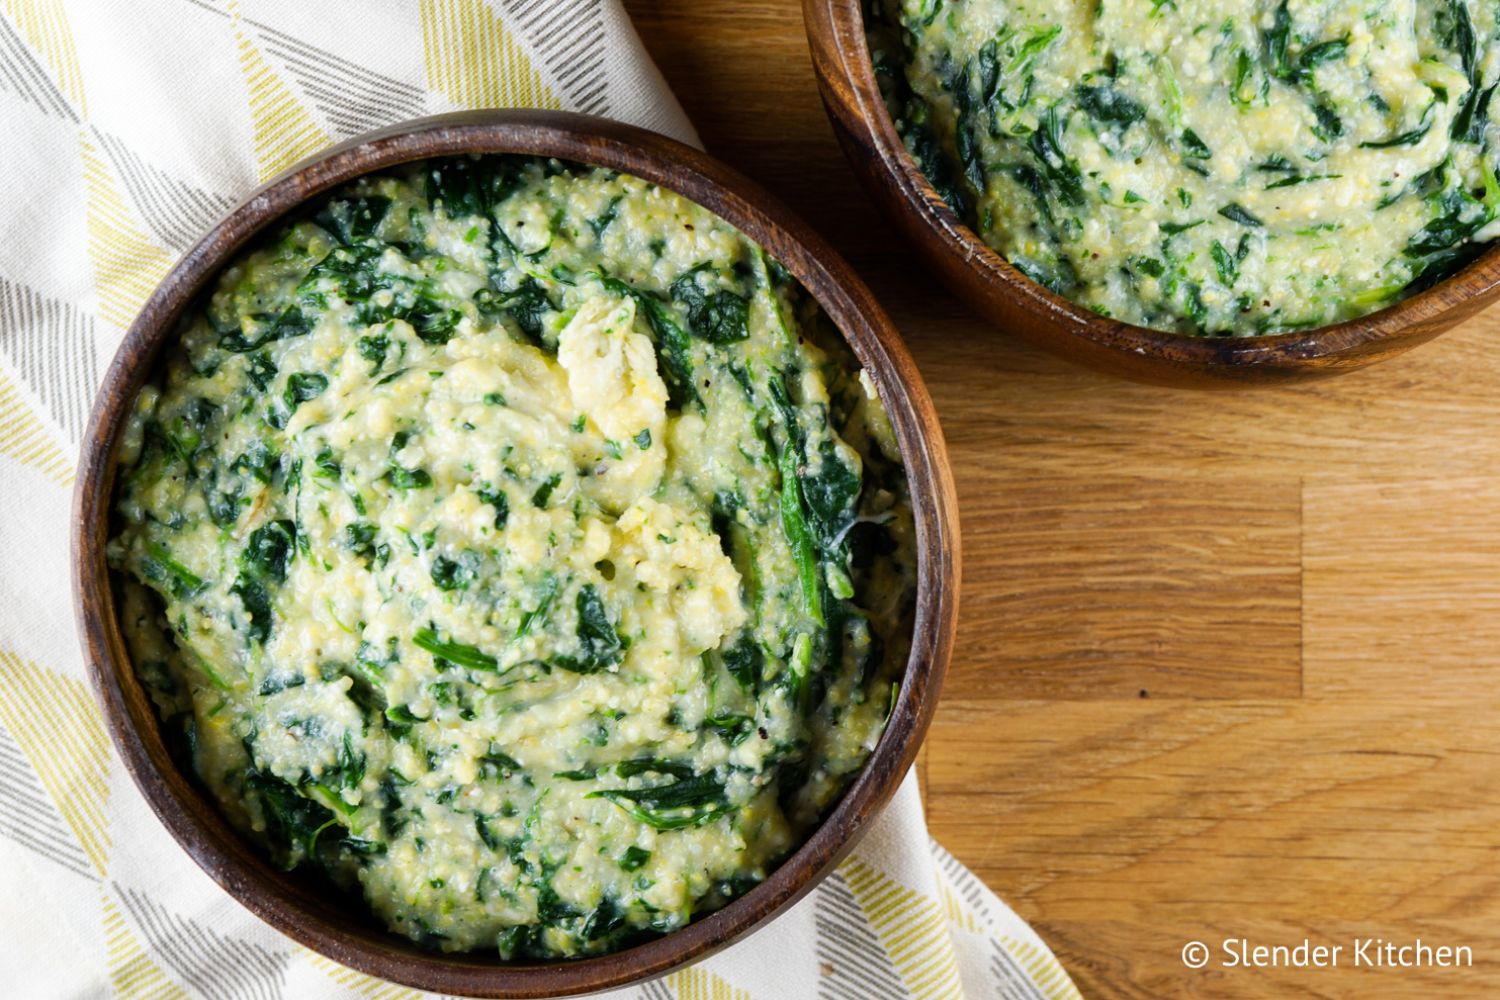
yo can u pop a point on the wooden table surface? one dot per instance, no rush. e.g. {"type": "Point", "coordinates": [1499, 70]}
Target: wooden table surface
{"type": "Point", "coordinates": [1226, 664]}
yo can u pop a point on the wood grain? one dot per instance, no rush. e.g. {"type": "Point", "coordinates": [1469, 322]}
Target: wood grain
{"type": "Point", "coordinates": [1125, 829]}
{"type": "Point", "coordinates": [1230, 802]}
{"type": "Point", "coordinates": [1402, 587]}
{"type": "Point", "coordinates": [1109, 588]}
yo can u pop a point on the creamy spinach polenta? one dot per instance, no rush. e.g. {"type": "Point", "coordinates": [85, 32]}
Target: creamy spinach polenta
{"type": "Point", "coordinates": [1207, 166]}
{"type": "Point", "coordinates": [501, 544]}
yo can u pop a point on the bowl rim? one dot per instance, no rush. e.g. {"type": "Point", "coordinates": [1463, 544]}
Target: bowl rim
{"type": "Point", "coordinates": [131, 722]}
{"type": "Point", "coordinates": [841, 55]}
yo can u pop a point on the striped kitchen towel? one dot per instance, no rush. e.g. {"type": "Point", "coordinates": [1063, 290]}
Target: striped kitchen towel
{"type": "Point", "coordinates": [130, 127]}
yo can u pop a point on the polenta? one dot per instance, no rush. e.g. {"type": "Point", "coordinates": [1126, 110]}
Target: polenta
{"type": "Point", "coordinates": [1224, 167]}
{"type": "Point", "coordinates": [517, 545]}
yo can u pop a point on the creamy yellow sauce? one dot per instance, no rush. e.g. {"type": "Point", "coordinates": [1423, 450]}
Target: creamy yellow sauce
{"type": "Point", "coordinates": [1207, 166]}
{"type": "Point", "coordinates": [502, 544]}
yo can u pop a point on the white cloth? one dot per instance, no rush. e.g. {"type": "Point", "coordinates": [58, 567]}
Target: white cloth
{"type": "Point", "coordinates": [130, 126]}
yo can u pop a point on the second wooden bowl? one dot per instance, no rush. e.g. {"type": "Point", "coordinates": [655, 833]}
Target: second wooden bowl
{"type": "Point", "coordinates": [293, 905]}
{"type": "Point", "coordinates": [1016, 304]}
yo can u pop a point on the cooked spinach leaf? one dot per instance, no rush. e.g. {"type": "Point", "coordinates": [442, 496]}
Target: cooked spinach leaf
{"type": "Point", "coordinates": [269, 550]}
{"type": "Point", "coordinates": [677, 805]}
{"type": "Point", "coordinates": [290, 322]}
{"type": "Point", "coordinates": [599, 645]}
{"type": "Point", "coordinates": [717, 316]}
{"type": "Point", "coordinates": [457, 653]}
{"type": "Point", "coordinates": [1235, 212]}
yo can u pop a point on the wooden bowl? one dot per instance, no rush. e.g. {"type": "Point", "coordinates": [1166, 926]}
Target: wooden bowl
{"type": "Point", "coordinates": [291, 904]}
{"type": "Point", "coordinates": [1001, 294]}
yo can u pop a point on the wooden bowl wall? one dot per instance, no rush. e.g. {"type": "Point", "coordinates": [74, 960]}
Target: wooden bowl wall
{"type": "Point", "coordinates": [288, 902]}
{"type": "Point", "coordinates": [1001, 294]}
